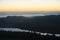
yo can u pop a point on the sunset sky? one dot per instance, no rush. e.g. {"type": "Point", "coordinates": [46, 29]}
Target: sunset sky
{"type": "Point", "coordinates": [29, 5]}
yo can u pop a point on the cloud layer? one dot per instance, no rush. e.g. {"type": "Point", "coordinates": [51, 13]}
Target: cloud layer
{"type": "Point", "coordinates": [27, 14]}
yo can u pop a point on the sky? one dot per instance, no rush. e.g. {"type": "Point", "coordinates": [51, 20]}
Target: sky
{"type": "Point", "coordinates": [29, 5]}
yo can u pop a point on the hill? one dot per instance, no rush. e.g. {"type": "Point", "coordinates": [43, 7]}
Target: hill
{"type": "Point", "coordinates": [49, 24]}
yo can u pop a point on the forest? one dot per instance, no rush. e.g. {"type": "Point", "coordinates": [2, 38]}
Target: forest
{"type": "Point", "coordinates": [4, 35]}
{"type": "Point", "coordinates": [49, 24]}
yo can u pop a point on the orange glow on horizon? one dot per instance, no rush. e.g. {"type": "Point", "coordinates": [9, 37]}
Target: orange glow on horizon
{"type": "Point", "coordinates": [29, 5]}
{"type": "Point", "coordinates": [29, 9]}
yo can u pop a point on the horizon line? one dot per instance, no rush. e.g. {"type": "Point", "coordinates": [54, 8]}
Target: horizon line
{"type": "Point", "coordinates": [29, 11]}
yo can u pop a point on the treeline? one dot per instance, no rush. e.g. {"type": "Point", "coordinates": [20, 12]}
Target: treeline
{"type": "Point", "coordinates": [37, 23]}
{"type": "Point", "coordinates": [24, 36]}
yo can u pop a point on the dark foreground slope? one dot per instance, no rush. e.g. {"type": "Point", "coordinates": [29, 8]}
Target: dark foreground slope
{"type": "Point", "coordinates": [37, 23]}
{"type": "Point", "coordinates": [24, 36]}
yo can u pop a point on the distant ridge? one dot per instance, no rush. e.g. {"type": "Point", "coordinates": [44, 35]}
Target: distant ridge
{"type": "Point", "coordinates": [49, 23]}
{"type": "Point", "coordinates": [27, 14]}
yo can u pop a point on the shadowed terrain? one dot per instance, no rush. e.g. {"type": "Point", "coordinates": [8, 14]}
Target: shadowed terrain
{"type": "Point", "coordinates": [47, 24]}
{"type": "Point", "coordinates": [37, 23]}
{"type": "Point", "coordinates": [24, 36]}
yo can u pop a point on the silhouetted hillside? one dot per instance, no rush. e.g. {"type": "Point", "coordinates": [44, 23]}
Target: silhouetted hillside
{"type": "Point", "coordinates": [24, 36]}
{"type": "Point", "coordinates": [37, 23]}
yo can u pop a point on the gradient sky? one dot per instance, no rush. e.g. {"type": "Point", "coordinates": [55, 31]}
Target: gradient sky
{"type": "Point", "coordinates": [29, 5]}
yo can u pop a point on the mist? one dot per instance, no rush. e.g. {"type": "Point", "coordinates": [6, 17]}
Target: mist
{"type": "Point", "coordinates": [27, 14]}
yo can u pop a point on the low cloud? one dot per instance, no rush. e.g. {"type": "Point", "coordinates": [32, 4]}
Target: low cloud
{"type": "Point", "coordinates": [27, 14]}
